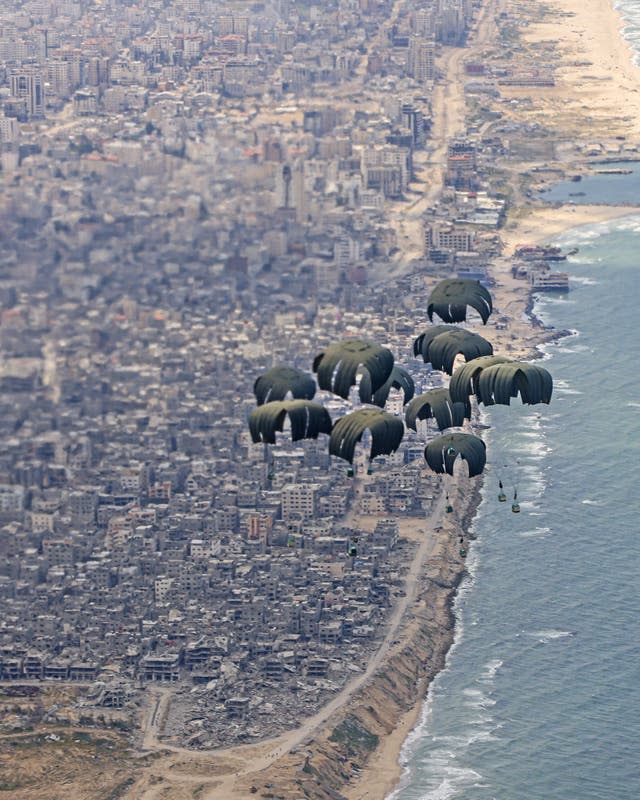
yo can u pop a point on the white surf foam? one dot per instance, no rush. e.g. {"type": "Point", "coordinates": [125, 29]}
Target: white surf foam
{"type": "Point", "coordinates": [580, 260]}
{"type": "Point", "coordinates": [491, 669]}
{"type": "Point", "coordinates": [588, 234]}
{"type": "Point", "coordinates": [476, 698]}
{"type": "Point", "coordinates": [451, 786]}
{"type": "Point", "coordinates": [545, 636]}
{"type": "Point", "coordinates": [576, 348]}
{"type": "Point", "coordinates": [540, 532]}
{"type": "Point", "coordinates": [584, 281]}
{"type": "Point", "coordinates": [567, 390]}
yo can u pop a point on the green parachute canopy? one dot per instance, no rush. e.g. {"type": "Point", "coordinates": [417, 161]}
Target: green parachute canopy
{"type": "Point", "coordinates": [441, 350]}
{"type": "Point", "coordinates": [386, 433]}
{"type": "Point", "coordinates": [500, 382]}
{"type": "Point", "coordinates": [275, 383]}
{"type": "Point", "coordinates": [398, 379]}
{"type": "Point", "coordinates": [450, 298]}
{"type": "Point", "coordinates": [307, 420]}
{"type": "Point", "coordinates": [441, 453]}
{"type": "Point", "coordinates": [422, 343]}
{"type": "Point", "coordinates": [337, 366]}
{"type": "Point", "coordinates": [437, 404]}
{"type": "Point", "coordinates": [464, 381]}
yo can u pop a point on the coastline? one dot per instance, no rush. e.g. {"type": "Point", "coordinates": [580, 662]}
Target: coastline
{"type": "Point", "coordinates": [384, 770]}
{"type": "Point", "coordinates": [355, 753]}
{"type": "Point", "coordinates": [602, 28]}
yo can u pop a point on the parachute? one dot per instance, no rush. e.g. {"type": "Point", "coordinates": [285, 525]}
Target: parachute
{"type": "Point", "coordinates": [441, 453]}
{"type": "Point", "coordinates": [500, 382]}
{"type": "Point", "coordinates": [464, 381]}
{"type": "Point", "coordinates": [307, 420]}
{"type": "Point", "coordinates": [437, 404]}
{"type": "Point", "coordinates": [441, 350]}
{"type": "Point", "coordinates": [422, 343]}
{"type": "Point", "coordinates": [277, 381]}
{"type": "Point", "coordinates": [398, 379]}
{"type": "Point", "coordinates": [494, 379]}
{"type": "Point", "coordinates": [450, 298]}
{"type": "Point", "coordinates": [337, 366]}
{"type": "Point", "coordinates": [386, 433]}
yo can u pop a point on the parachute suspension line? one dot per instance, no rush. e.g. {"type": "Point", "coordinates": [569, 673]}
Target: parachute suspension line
{"type": "Point", "coordinates": [307, 422]}
{"type": "Point", "coordinates": [271, 471]}
{"type": "Point", "coordinates": [515, 506]}
{"type": "Point", "coordinates": [448, 505]}
{"type": "Point", "coordinates": [463, 549]}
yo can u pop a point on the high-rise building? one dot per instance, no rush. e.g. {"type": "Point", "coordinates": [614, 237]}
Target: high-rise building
{"type": "Point", "coordinates": [27, 83]}
{"type": "Point", "coordinates": [97, 71]}
{"type": "Point", "coordinates": [298, 500]}
{"type": "Point", "coordinates": [42, 42]}
{"type": "Point", "coordinates": [59, 77]}
{"type": "Point", "coordinates": [386, 168]}
{"type": "Point", "coordinates": [290, 191]}
{"type": "Point", "coordinates": [422, 22]}
{"type": "Point", "coordinates": [9, 131]}
{"type": "Point", "coordinates": [421, 59]}
{"type": "Point", "coordinates": [451, 19]}
{"type": "Point", "coordinates": [412, 119]}
{"type": "Point", "coordinates": [73, 57]}
{"type": "Point", "coordinates": [346, 250]}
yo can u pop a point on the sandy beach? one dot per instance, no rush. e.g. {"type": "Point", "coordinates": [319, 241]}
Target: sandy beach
{"type": "Point", "coordinates": [594, 79]}
{"type": "Point", "coordinates": [543, 224]}
{"type": "Point", "coordinates": [596, 92]}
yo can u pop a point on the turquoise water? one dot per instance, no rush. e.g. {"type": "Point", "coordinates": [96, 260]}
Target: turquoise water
{"type": "Point", "coordinates": [540, 695]}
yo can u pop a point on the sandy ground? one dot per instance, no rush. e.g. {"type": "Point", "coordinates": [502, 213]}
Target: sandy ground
{"type": "Point", "coordinates": [540, 225]}
{"type": "Point", "coordinates": [597, 83]}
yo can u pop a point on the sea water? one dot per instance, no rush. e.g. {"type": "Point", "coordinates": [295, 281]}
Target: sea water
{"type": "Point", "coordinates": [541, 691]}
{"type": "Point", "coordinates": [622, 188]}
{"type": "Point", "coordinates": [540, 697]}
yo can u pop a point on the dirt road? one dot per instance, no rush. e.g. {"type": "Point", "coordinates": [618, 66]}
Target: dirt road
{"type": "Point", "coordinates": [225, 765]}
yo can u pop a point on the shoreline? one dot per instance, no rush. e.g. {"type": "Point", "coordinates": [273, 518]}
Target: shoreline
{"type": "Point", "coordinates": [387, 767]}
{"type": "Point", "coordinates": [381, 775]}
{"type": "Point", "coordinates": [537, 225]}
